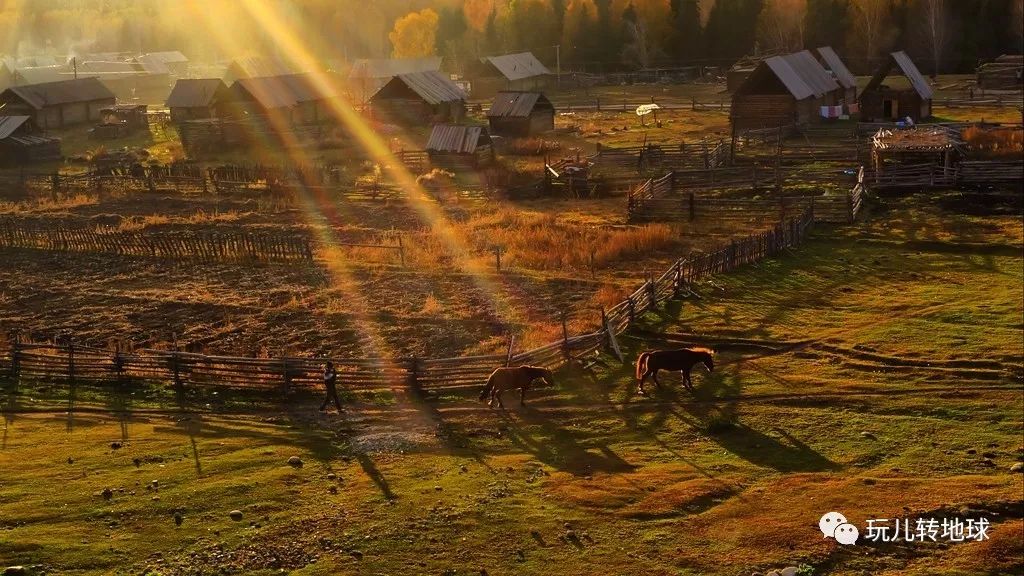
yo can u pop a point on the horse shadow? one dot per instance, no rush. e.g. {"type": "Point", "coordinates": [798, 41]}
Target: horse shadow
{"type": "Point", "coordinates": [714, 410]}
{"type": "Point", "coordinates": [562, 448]}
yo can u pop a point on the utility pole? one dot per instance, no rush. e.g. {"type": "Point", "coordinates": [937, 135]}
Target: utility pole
{"type": "Point", "coordinates": [558, 65]}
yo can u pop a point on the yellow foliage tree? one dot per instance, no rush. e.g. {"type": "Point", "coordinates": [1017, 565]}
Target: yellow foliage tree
{"type": "Point", "coordinates": [414, 34]}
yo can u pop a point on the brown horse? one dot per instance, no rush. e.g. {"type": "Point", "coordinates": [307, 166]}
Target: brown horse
{"type": "Point", "coordinates": [511, 378]}
{"type": "Point", "coordinates": [682, 360]}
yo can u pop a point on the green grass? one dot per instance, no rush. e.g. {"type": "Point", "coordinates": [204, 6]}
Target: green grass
{"type": "Point", "coordinates": [588, 476]}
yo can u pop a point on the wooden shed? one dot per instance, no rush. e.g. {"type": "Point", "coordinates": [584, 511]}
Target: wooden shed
{"type": "Point", "coordinates": [293, 99]}
{"type": "Point", "coordinates": [59, 104]}
{"type": "Point", "coordinates": [456, 147]}
{"type": "Point", "coordinates": [173, 62]}
{"type": "Point", "coordinates": [369, 75]}
{"type": "Point", "coordinates": [519, 72]}
{"type": "Point", "coordinates": [881, 101]}
{"type": "Point", "coordinates": [840, 73]}
{"type": "Point", "coordinates": [419, 98]}
{"type": "Point", "coordinates": [22, 142]}
{"type": "Point", "coordinates": [783, 91]}
{"type": "Point", "coordinates": [1003, 73]}
{"type": "Point", "coordinates": [193, 98]}
{"type": "Point", "coordinates": [521, 114]}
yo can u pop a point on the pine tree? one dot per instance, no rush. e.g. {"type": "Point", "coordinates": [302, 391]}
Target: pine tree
{"type": "Point", "coordinates": [687, 38]}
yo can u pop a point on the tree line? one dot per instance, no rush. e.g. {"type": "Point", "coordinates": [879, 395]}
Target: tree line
{"type": "Point", "coordinates": [591, 35]}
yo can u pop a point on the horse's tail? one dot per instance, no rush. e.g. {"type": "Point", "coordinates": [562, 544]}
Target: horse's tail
{"type": "Point", "coordinates": [487, 388]}
{"type": "Point", "coordinates": [641, 364]}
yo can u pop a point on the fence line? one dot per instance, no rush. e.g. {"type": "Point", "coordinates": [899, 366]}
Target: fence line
{"type": "Point", "coordinates": [71, 362]}
{"type": "Point", "coordinates": [677, 196]}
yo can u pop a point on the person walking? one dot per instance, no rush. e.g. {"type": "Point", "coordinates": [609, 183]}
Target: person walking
{"type": "Point", "coordinates": [331, 385]}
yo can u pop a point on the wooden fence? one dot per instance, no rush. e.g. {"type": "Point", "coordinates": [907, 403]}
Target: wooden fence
{"type": "Point", "coordinates": [680, 196]}
{"type": "Point", "coordinates": [69, 362]}
{"type": "Point", "coordinates": [661, 157]}
{"type": "Point", "coordinates": [212, 245]}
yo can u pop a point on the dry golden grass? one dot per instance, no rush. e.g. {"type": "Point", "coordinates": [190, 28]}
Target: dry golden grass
{"type": "Point", "coordinates": [995, 142]}
{"type": "Point", "coordinates": [48, 204]}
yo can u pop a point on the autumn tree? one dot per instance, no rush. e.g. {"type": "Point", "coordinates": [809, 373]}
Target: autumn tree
{"type": "Point", "coordinates": [579, 24]}
{"type": "Point", "coordinates": [868, 24]}
{"type": "Point", "coordinates": [780, 25]}
{"type": "Point", "coordinates": [687, 34]}
{"type": "Point", "coordinates": [415, 34]}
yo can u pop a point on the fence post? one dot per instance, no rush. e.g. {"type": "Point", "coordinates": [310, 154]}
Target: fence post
{"type": "Point", "coordinates": [71, 359]}
{"type": "Point", "coordinates": [175, 362]}
{"type": "Point", "coordinates": [497, 258]}
{"type": "Point", "coordinates": [286, 374]}
{"type": "Point", "coordinates": [16, 357]}
{"type": "Point", "coordinates": [414, 377]}
{"type": "Point", "coordinates": [652, 290]}
{"type": "Point", "coordinates": [612, 343]}
{"type": "Point", "coordinates": [118, 364]}
{"type": "Point", "coordinates": [565, 337]}
{"type": "Point", "coordinates": [677, 280]}
{"type": "Point", "coordinates": [693, 206]}
{"type": "Point", "coordinates": [401, 250]}
{"type": "Point", "coordinates": [632, 309]}
{"type": "Point", "coordinates": [508, 353]}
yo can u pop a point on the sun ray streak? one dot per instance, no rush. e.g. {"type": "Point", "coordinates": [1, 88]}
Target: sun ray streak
{"type": "Point", "coordinates": [295, 50]}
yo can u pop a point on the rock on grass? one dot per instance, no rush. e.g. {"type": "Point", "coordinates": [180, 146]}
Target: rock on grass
{"type": "Point", "coordinates": [295, 462]}
{"type": "Point", "coordinates": [235, 515]}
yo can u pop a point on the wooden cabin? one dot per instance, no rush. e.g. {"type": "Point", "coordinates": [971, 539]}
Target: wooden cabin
{"type": "Point", "coordinates": [1003, 73]}
{"type": "Point", "coordinates": [419, 98]}
{"type": "Point", "coordinates": [840, 73]}
{"type": "Point", "coordinates": [369, 75]}
{"type": "Point", "coordinates": [889, 99]}
{"type": "Point", "coordinates": [521, 114]}
{"type": "Point", "coordinates": [59, 104]}
{"type": "Point", "coordinates": [173, 62]}
{"type": "Point", "coordinates": [193, 98]}
{"type": "Point", "coordinates": [521, 72]}
{"type": "Point", "coordinates": [784, 91]}
{"type": "Point", "coordinates": [255, 67]}
{"type": "Point", "coordinates": [22, 142]}
{"type": "Point", "coordinates": [459, 147]}
{"type": "Point", "coordinates": [293, 99]}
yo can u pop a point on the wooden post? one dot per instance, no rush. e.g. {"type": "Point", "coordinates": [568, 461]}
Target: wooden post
{"type": "Point", "coordinates": [414, 376]}
{"type": "Point", "coordinates": [16, 357]}
{"type": "Point", "coordinates": [677, 279]}
{"type": "Point", "coordinates": [508, 353]}
{"type": "Point", "coordinates": [612, 343]}
{"type": "Point", "coordinates": [401, 250]}
{"type": "Point", "coordinates": [175, 361]}
{"type": "Point", "coordinates": [632, 309]}
{"type": "Point", "coordinates": [565, 337]}
{"type": "Point", "coordinates": [593, 267]}
{"type": "Point", "coordinates": [118, 364]}
{"type": "Point", "coordinates": [497, 258]}
{"type": "Point", "coordinates": [693, 206]}
{"type": "Point", "coordinates": [71, 359]}
{"type": "Point", "coordinates": [286, 373]}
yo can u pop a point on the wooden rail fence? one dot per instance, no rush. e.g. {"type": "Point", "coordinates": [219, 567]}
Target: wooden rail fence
{"type": "Point", "coordinates": [211, 245]}
{"type": "Point", "coordinates": [70, 362]}
{"type": "Point", "coordinates": [679, 196]}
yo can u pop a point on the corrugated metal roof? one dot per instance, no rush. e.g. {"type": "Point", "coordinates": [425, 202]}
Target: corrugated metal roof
{"type": "Point", "coordinates": [913, 74]}
{"type": "Point", "coordinates": [281, 91]}
{"type": "Point", "coordinates": [9, 124]}
{"type": "Point", "coordinates": [258, 67]}
{"type": "Point", "coordinates": [516, 104]}
{"type": "Point", "coordinates": [40, 75]}
{"type": "Point", "coordinates": [62, 92]}
{"type": "Point", "coordinates": [434, 87]}
{"type": "Point", "coordinates": [518, 66]}
{"type": "Point", "coordinates": [387, 68]}
{"type": "Point", "coordinates": [908, 68]}
{"type": "Point", "coordinates": [168, 57]}
{"type": "Point", "coordinates": [456, 138]}
{"type": "Point", "coordinates": [153, 65]}
{"type": "Point", "coordinates": [802, 75]}
{"type": "Point", "coordinates": [194, 92]}
{"type": "Point", "coordinates": [102, 67]}
{"type": "Point", "coordinates": [838, 68]}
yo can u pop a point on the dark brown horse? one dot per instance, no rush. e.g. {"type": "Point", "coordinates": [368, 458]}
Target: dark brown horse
{"type": "Point", "coordinates": [682, 360]}
{"type": "Point", "coordinates": [511, 378]}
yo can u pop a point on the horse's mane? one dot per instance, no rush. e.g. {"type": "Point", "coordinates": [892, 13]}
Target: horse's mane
{"type": "Point", "coordinates": [702, 350]}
